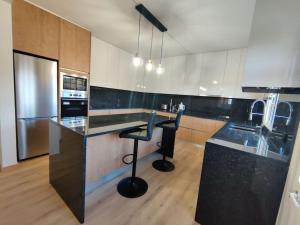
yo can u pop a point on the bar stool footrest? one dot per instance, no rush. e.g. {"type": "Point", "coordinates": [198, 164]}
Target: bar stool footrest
{"type": "Point", "coordinates": [163, 165]}
{"type": "Point", "coordinates": [132, 187]}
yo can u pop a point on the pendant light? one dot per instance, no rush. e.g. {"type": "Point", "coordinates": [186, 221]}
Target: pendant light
{"type": "Point", "coordinates": [137, 60]}
{"type": "Point", "coordinates": [149, 64]}
{"type": "Point", "coordinates": [160, 70]}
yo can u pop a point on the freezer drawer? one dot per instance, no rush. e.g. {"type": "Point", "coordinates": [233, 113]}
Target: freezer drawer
{"type": "Point", "coordinates": [33, 137]}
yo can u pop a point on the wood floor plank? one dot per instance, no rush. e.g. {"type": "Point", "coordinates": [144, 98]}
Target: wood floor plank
{"type": "Point", "coordinates": [27, 198]}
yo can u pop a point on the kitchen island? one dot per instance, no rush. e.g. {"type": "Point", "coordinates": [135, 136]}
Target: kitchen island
{"type": "Point", "coordinates": [85, 152]}
{"type": "Point", "coordinates": [243, 176]}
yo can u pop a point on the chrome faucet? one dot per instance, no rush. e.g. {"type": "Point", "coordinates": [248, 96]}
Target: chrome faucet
{"type": "Point", "coordinates": [252, 107]}
{"type": "Point", "coordinates": [171, 104]}
{"type": "Point", "coordinates": [288, 118]}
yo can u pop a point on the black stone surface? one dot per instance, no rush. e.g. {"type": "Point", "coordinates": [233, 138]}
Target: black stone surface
{"type": "Point", "coordinates": [219, 108]}
{"type": "Point", "coordinates": [281, 90]}
{"type": "Point", "coordinates": [239, 188]}
{"type": "Point", "coordinates": [67, 163]}
{"type": "Point", "coordinates": [97, 125]}
{"type": "Point", "coordinates": [260, 142]}
{"type": "Point", "coordinates": [207, 107]}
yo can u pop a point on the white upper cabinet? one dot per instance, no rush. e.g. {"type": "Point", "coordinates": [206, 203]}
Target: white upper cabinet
{"type": "Point", "coordinates": [212, 73]}
{"type": "Point", "coordinates": [273, 58]}
{"type": "Point", "coordinates": [113, 64]}
{"type": "Point", "coordinates": [126, 73]}
{"type": "Point", "coordinates": [99, 53]}
{"type": "Point", "coordinates": [192, 76]}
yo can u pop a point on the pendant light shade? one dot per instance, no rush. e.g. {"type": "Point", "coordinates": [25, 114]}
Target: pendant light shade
{"type": "Point", "coordinates": [137, 60]}
{"type": "Point", "coordinates": [160, 69]}
{"type": "Point", "coordinates": [149, 64]}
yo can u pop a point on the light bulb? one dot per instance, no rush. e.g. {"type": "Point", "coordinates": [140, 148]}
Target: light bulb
{"type": "Point", "coordinates": [137, 61]}
{"type": "Point", "coordinates": [160, 70]}
{"type": "Point", "coordinates": [149, 65]}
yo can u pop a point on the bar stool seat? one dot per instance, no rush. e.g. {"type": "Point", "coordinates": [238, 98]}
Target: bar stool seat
{"type": "Point", "coordinates": [133, 187]}
{"type": "Point", "coordinates": [164, 165]}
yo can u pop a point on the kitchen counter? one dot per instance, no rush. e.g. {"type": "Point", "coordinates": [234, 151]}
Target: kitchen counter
{"type": "Point", "coordinates": [85, 152]}
{"type": "Point", "coordinates": [104, 124]}
{"type": "Point", "coordinates": [243, 176]}
{"type": "Point", "coordinates": [256, 141]}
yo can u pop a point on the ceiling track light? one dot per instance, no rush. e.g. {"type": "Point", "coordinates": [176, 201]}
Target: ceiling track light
{"type": "Point", "coordinates": [149, 64]}
{"type": "Point", "coordinates": [137, 60]}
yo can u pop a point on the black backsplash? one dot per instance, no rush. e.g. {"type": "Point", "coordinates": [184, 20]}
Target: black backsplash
{"type": "Point", "coordinates": [208, 107]}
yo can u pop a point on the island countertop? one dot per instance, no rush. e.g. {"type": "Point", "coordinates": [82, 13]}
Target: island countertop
{"type": "Point", "coordinates": [98, 125]}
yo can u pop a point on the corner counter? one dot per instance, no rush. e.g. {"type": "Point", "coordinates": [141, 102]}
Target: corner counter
{"type": "Point", "coordinates": [243, 177]}
{"type": "Point", "coordinates": [85, 149]}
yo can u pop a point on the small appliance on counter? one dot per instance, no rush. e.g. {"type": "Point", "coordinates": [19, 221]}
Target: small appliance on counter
{"type": "Point", "coordinates": [74, 95]}
{"type": "Point", "coordinates": [164, 107]}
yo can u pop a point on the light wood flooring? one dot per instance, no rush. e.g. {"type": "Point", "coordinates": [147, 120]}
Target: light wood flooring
{"type": "Point", "coordinates": [26, 198]}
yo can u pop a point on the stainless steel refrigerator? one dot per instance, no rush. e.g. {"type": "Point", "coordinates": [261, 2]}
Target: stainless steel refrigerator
{"type": "Point", "coordinates": [36, 102]}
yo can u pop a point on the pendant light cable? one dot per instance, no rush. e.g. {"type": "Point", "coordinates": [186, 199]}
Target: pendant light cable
{"type": "Point", "coordinates": [139, 34]}
{"type": "Point", "coordinates": [162, 45]}
{"type": "Point", "coordinates": [151, 44]}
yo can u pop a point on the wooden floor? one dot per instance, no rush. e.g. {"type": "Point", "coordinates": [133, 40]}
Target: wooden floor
{"type": "Point", "coordinates": [26, 198]}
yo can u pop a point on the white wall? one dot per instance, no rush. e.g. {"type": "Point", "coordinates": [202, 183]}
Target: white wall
{"type": "Point", "coordinates": [7, 102]}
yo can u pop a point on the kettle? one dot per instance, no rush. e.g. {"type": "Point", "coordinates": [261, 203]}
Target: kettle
{"type": "Point", "coordinates": [181, 106]}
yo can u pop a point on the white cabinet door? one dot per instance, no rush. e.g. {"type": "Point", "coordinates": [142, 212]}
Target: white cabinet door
{"type": "Point", "coordinates": [212, 73]}
{"type": "Point", "coordinates": [99, 53]}
{"type": "Point", "coordinates": [192, 74]}
{"type": "Point", "coordinates": [231, 80]}
{"type": "Point", "coordinates": [177, 74]}
{"type": "Point", "coordinates": [113, 63]}
{"type": "Point", "coordinates": [126, 78]}
{"type": "Point", "coordinates": [238, 93]}
{"type": "Point", "coordinates": [139, 78]}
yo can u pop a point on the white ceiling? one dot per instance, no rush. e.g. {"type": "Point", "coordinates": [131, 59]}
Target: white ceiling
{"type": "Point", "coordinates": [193, 25]}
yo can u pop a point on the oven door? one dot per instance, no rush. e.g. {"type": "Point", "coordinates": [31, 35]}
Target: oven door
{"type": "Point", "coordinates": [74, 107]}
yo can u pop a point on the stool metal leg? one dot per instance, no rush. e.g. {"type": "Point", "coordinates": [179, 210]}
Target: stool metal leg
{"type": "Point", "coordinates": [163, 165]}
{"type": "Point", "coordinates": [133, 187]}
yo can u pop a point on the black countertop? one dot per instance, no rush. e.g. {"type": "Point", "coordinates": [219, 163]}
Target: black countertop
{"type": "Point", "coordinates": [98, 125]}
{"type": "Point", "coordinates": [256, 141]}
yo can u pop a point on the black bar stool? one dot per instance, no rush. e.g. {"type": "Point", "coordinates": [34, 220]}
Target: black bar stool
{"type": "Point", "coordinates": [133, 187]}
{"type": "Point", "coordinates": [164, 165]}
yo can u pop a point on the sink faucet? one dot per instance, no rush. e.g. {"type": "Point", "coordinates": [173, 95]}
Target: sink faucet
{"type": "Point", "coordinates": [252, 107]}
{"type": "Point", "coordinates": [170, 104]}
{"type": "Point", "coordinates": [288, 118]}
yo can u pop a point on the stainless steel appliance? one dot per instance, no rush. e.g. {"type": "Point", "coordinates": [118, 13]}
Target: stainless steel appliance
{"type": "Point", "coordinates": [73, 86]}
{"type": "Point", "coordinates": [72, 107]}
{"type": "Point", "coordinates": [36, 102]}
{"type": "Point", "coordinates": [74, 95]}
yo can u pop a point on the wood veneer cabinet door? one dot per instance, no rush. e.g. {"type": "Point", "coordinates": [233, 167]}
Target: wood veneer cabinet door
{"type": "Point", "coordinates": [35, 30]}
{"type": "Point", "coordinates": [83, 49]}
{"type": "Point", "coordinates": [67, 49]}
{"type": "Point", "coordinates": [75, 47]}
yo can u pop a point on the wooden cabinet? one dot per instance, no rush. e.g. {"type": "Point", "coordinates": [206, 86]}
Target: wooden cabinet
{"type": "Point", "coordinates": [35, 30]}
{"type": "Point", "coordinates": [75, 47]}
{"type": "Point", "coordinates": [41, 33]}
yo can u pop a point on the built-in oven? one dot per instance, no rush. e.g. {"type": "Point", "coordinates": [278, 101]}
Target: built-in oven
{"type": "Point", "coordinates": [71, 107]}
{"type": "Point", "coordinates": [73, 95]}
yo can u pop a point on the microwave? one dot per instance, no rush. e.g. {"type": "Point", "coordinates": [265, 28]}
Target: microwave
{"type": "Point", "coordinates": [73, 86]}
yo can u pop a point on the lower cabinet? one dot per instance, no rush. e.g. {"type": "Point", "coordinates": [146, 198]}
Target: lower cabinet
{"type": "Point", "coordinates": [198, 130]}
